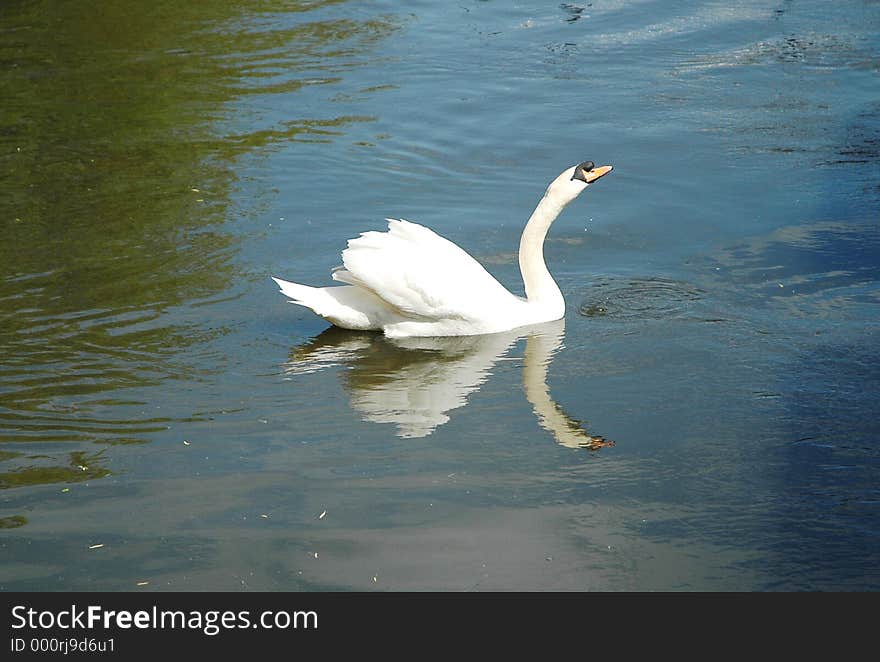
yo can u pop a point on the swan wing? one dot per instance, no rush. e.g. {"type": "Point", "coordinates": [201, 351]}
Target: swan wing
{"type": "Point", "coordinates": [421, 274]}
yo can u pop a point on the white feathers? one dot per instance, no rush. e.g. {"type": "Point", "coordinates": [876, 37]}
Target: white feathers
{"type": "Point", "coordinates": [421, 274]}
{"type": "Point", "coordinates": [410, 281]}
{"type": "Point", "coordinates": [348, 307]}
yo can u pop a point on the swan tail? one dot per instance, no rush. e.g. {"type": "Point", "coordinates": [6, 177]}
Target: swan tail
{"type": "Point", "coordinates": [304, 295]}
{"type": "Point", "coordinates": [349, 307]}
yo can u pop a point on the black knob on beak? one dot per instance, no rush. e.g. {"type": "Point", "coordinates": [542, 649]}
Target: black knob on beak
{"type": "Point", "coordinates": [581, 170]}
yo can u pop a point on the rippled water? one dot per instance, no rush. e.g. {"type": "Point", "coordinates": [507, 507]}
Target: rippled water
{"type": "Point", "coordinates": [703, 419]}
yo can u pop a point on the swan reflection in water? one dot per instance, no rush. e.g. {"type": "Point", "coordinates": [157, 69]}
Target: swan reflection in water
{"type": "Point", "coordinates": [415, 382]}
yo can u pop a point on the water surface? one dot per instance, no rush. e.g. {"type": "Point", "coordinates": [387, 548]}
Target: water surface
{"type": "Point", "coordinates": [703, 418]}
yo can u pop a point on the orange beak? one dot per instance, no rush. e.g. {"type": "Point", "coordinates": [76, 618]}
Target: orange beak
{"type": "Point", "coordinates": [597, 172]}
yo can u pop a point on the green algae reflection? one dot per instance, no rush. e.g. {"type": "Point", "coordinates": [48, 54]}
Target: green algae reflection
{"type": "Point", "coordinates": [123, 124]}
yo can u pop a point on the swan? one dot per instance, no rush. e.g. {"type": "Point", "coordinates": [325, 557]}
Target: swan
{"type": "Point", "coordinates": [411, 282]}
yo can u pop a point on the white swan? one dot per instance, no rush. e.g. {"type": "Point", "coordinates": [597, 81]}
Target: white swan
{"type": "Point", "coordinates": [411, 282]}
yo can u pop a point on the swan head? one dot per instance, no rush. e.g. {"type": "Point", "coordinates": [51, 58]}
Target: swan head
{"type": "Point", "coordinates": [571, 183]}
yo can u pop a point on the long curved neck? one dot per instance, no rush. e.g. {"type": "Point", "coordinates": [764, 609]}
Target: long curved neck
{"type": "Point", "coordinates": [540, 286]}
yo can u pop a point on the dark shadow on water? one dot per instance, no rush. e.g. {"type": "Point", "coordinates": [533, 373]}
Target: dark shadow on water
{"type": "Point", "coordinates": [414, 383]}
{"type": "Point", "coordinates": [811, 286]}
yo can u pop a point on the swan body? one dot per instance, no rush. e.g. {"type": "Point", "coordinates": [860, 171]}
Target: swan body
{"type": "Point", "coordinates": [411, 282]}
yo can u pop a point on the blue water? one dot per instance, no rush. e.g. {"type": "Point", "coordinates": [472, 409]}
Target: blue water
{"type": "Point", "coordinates": [703, 419]}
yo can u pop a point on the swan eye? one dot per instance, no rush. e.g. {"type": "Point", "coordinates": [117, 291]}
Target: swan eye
{"type": "Point", "coordinates": [581, 171]}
